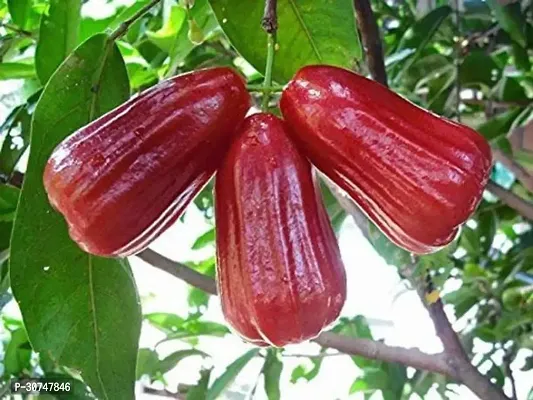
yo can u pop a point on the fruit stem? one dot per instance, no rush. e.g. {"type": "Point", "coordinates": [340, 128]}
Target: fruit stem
{"type": "Point", "coordinates": [267, 84]}
{"type": "Point", "coordinates": [270, 26]}
{"type": "Point", "coordinates": [262, 88]}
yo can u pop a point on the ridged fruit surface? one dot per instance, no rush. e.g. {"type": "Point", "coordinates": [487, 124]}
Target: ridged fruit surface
{"type": "Point", "coordinates": [416, 175]}
{"type": "Point", "coordinates": [279, 270]}
{"type": "Point", "coordinates": [123, 179]}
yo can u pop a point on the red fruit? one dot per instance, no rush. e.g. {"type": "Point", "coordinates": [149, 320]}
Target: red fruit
{"type": "Point", "coordinates": [417, 176]}
{"type": "Point", "coordinates": [279, 270]}
{"type": "Point", "coordinates": [123, 179]}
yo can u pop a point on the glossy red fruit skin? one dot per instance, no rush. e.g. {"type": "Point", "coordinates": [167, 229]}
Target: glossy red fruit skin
{"type": "Point", "coordinates": [416, 175]}
{"type": "Point", "coordinates": [279, 271]}
{"type": "Point", "coordinates": [123, 179]}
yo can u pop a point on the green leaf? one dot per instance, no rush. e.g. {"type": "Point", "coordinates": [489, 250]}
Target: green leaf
{"type": "Point", "coordinates": [78, 390]}
{"type": "Point", "coordinates": [204, 240]}
{"type": "Point", "coordinates": [147, 360]}
{"type": "Point", "coordinates": [199, 392]}
{"type": "Point", "coordinates": [166, 322]}
{"type": "Point", "coordinates": [182, 46]}
{"type": "Point", "coordinates": [196, 328]}
{"type": "Point", "coordinates": [487, 226]}
{"type": "Point", "coordinates": [16, 70]}
{"type": "Point", "coordinates": [479, 68]}
{"type": "Point", "coordinates": [509, 89]}
{"type": "Point", "coordinates": [511, 19]}
{"type": "Point", "coordinates": [20, 11]}
{"type": "Point", "coordinates": [17, 353]}
{"type": "Point", "coordinates": [521, 57]}
{"type": "Point", "coordinates": [391, 253]}
{"type": "Point", "coordinates": [17, 135]}
{"type": "Point", "coordinates": [198, 298]}
{"type": "Point", "coordinates": [356, 327]}
{"type": "Point", "coordinates": [272, 373]}
{"type": "Point", "coordinates": [420, 34]}
{"type": "Point", "coordinates": [58, 35]}
{"type": "Point", "coordinates": [82, 310]}
{"type": "Point", "coordinates": [360, 385]}
{"type": "Point", "coordinates": [499, 125]}
{"type": "Point", "coordinates": [164, 37]}
{"type": "Point", "coordinates": [173, 359]}
{"type": "Point", "coordinates": [311, 32]}
{"type": "Point", "coordinates": [9, 196]}
{"type": "Point", "coordinates": [302, 371]}
{"type": "Point", "coordinates": [176, 327]}
{"type": "Point", "coordinates": [229, 375]}
{"type": "Point", "coordinates": [336, 213]}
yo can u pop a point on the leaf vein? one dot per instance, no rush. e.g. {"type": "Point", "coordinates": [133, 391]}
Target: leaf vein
{"type": "Point", "coordinates": [304, 27]}
{"type": "Point", "coordinates": [95, 326]}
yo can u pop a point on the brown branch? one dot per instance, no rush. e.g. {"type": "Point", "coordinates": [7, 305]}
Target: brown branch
{"type": "Point", "coordinates": [498, 103]}
{"type": "Point", "coordinates": [454, 354]}
{"type": "Point", "coordinates": [523, 207]}
{"type": "Point", "coordinates": [353, 346]}
{"type": "Point", "coordinates": [270, 17]}
{"type": "Point", "coordinates": [371, 40]}
{"type": "Point", "coordinates": [16, 29]}
{"type": "Point", "coordinates": [376, 350]}
{"type": "Point", "coordinates": [179, 270]}
{"type": "Point", "coordinates": [520, 172]}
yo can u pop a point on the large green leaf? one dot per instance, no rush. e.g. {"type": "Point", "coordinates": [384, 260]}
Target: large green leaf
{"type": "Point", "coordinates": [58, 35]}
{"type": "Point", "coordinates": [229, 375]}
{"type": "Point", "coordinates": [310, 32]}
{"type": "Point", "coordinates": [81, 310]}
{"type": "Point", "coordinates": [20, 11]}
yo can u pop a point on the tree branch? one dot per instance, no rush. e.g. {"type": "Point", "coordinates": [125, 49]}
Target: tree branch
{"type": "Point", "coordinates": [123, 27]}
{"type": "Point", "coordinates": [270, 17]}
{"type": "Point", "coordinates": [377, 350]}
{"type": "Point", "coordinates": [523, 207]}
{"type": "Point", "coordinates": [520, 172]}
{"type": "Point", "coordinates": [454, 354]}
{"type": "Point", "coordinates": [371, 40]}
{"type": "Point", "coordinates": [16, 29]}
{"type": "Point", "coordinates": [352, 346]}
{"type": "Point", "coordinates": [179, 270]}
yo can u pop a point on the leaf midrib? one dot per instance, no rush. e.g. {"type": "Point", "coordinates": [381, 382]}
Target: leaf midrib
{"type": "Point", "coordinates": [306, 31]}
{"type": "Point", "coordinates": [95, 326]}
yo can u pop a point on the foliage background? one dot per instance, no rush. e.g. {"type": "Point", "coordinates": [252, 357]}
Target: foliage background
{"type": "Point", "coordinates": [469, 60]}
